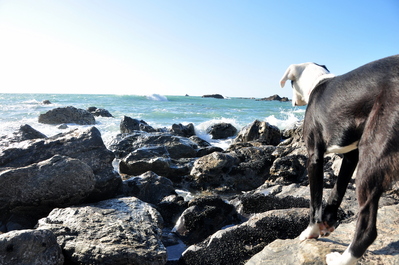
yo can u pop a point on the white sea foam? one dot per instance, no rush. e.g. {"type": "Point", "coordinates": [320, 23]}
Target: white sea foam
{"type": "Point", "coordinates": [157, 110]}
{"type": "Point", "coordinates": [287, 122]}
{"type": "Point", "coordinates": [200, 131]}
{"type": "Point", "coordinates": [157, 97]}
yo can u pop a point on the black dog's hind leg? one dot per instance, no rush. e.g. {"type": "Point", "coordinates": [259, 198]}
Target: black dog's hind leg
{"type": "Point", "coordinates": [348, 166]}
{"type": "Point", "coordinates": [315, 172]}
{"type": "Point", "coordinates": [369, 190]}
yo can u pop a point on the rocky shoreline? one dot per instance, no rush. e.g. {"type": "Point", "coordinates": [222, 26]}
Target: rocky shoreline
{"type": "Point", "coordinates": [166, 196]}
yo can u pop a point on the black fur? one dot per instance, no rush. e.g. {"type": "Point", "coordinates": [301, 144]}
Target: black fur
{"type": "Point", "coordinates": [363, 106]}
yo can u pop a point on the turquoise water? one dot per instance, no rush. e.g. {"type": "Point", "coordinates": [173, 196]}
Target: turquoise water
{"type": "Point", "coordinates": [156, 110]}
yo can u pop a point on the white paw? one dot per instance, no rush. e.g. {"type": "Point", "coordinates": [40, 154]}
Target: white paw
{"type": "Point", "coordinates": [334, 258]}
{"type": "Point", "coordinates": [313, 231]}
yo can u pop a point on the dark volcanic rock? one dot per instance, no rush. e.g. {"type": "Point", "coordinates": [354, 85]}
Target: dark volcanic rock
{"type": "Point", "coordinates": [293, 251]}
{"type": "Point", "coordinates": [234, 245]}
{"type": "Point", "coordinates": [85, 145]}
{"type": "Point", "coordinates": [98, 112]}
{"type": "Point", "coordinates": [129, 125]}
{"type": "Point", "coordinates": [34, 247]}
{"type": "Point", "coordinates": [239, 170]}
{"type": "Point", "coordinates": [25, 132]}
{"type": "Point", "coordinates": [183, 130]}
{"type": "Point", "coordinates": [275, 97]}
{"type": "Point", "coordinates": [67, 115]}
{"type": "Point", "coordinates": [148, 187]}
{"type": "Point", "coordinates": [116, 231]}
{"type": "Point", "coordinates": [221, 130]}
{"type": "Point", "coordinates": [213, 96]}
{"type": "Point", "coordinates": [203, 217]}
{"type": "Point", "coordinates": [259, 131]}
{"type": "Point", "coordinates": [38, 188]}
{"type": "Point", "coordinates": [177, 146]}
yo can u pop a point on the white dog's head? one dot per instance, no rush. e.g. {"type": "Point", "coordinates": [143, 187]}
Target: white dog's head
{"type": "Point", "coordinates": [304, 78]}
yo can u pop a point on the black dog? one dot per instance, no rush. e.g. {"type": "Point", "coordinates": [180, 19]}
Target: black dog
{"type": "Point", "coordinates": [356, 114]}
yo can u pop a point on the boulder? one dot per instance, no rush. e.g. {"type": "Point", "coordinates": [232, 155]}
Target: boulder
{"type": "Point", "coordinates": [46, 102]}
{"type": "Point", "coordinates": [156, 159]}
{"type": "Point", "coordinates": [213, 96]}
{"type": "Point", "coordinates": [110, 232]}
{"type": "Point", "coordinates": [236, 244]}
{"type": "Point", "coordinates": [260, 131]}
{"type": "Point", "coordinates": [211, 170]}
{"type": "Point", "coordinates": [34, 247]}
{"type": "Point", "coordinates": [204, 147]}
{"type": "Point", "coordinates": [239, 170]}
{"type": "Point", "coordinates": [292, 251]}
{"type": "Point", "coordinates": [252, 203]}
{"type": "Point", "coordinates": [203, 217]}
{"type": "Point", "coordinates": [98, 112]}
{"type": "Point", "coordinates": [148, 187]}
{"type": "Point", "coordinates": [67, 115]}
{"type": "Point", "coordinates": [25, 132]}
{"type": "Point", "coordinates": [38, 188]}
{"type": "Point", "coordinates": [221, 130]}
{"type": "Point", "coordinates": [183, 130]}
{"type": "Point", "coordinates": [171, 207]}
{"type": "Point", "coordinates": [177, 146]}
{"type": "Point", "coordinates": [129, 125]}
{"type": "Point", "coordinates": [288, 169]}
{"type": "Point", "coordinates": [85, 145]}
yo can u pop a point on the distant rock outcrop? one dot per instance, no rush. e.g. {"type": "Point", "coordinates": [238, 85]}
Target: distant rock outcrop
{"type": "Point", "coordinates": [213, 96]}
{"type": "Point", "coordinates": [275, 97]}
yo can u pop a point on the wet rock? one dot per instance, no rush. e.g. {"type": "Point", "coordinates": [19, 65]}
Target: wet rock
{"type": "Point", "coordinates": [221, 130]}
{"type": "Point", "coordinates": [129, 125]}
{"type": "Point", "coordinates": [156, 159]}
{"type": "Point", "coordinates": [236, 244]}
{"type": "Point", "coordinates": [25, 132]}
{"type": "Point", "coordinates": [34, 247]}
{"type": "Point", "coordinates": [171, 207]}
{"type": "Point", "coordinates": [177, 146]}
{"type": "Point", "coordinates": [203, 217]}
{"type": "Point", "coordinates": [148, 187]}
{"type": "Point", "coordinates": [111, 232]}
{"type": "Point", "coordinates": [183, 130]}
{"type": "Point", "coordinates": [204, 147]}
{"type": "Point", "coordinates": [67, 115]}
{"type": "Point", "coordinates": [46, 102]}
{"type": "Point", "coordinates": [63, 126]}
{"type": "Point", "coordinates": [141, 160]}
{"type": "Point", "coordinates": [98, 112]}
{"type": "Point", "coordinates": [259, 131]}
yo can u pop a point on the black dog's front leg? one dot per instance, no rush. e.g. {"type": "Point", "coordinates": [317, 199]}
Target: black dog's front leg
{"type": "Point", "coordinates": [315, 172]}
{"type": "Point", "coordinates": [348, 166]}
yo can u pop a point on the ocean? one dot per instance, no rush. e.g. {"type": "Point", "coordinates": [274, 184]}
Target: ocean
{"type": "Point", "coordinates": [159, 111]}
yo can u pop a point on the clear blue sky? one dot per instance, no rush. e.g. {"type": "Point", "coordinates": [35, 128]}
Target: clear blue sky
{"type": "Point", "coordinates": [178, 47]}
